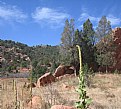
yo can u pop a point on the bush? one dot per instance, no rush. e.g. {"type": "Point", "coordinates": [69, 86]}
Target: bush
{"type": "Point", "coordinates": [88, 73]}
{"type": "Point", "coordinates": [37, 72]}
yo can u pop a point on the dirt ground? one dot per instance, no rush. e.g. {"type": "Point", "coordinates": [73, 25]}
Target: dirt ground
{"type": "Point", "coordinates": [104, 89]}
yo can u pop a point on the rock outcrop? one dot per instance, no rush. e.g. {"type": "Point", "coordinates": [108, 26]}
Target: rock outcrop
{"type": "Point", "coordinates": [62, 70]}
{"type": "Point", "coordinates": [116, 36]}
{"type": "Point", "coordinates": [117, 42]}
{"type": "Point", "coordinates": [47, 78]}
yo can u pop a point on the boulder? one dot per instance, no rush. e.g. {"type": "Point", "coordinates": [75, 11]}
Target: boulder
{"type": "Point", "coordinates": [66, 76]}
{"type": "Point", "coordinates": [37, 103]}
{"type": "Point", "coordinates": [62, 70]}
{"type": "Point", "coordinates": [62, 107]}
{"type": "Point", "coordinates": [69, 71]}
{"type": "Point", "coordinates": [45, 79]}
{"type": "Point", "coordinates": [59, 71]}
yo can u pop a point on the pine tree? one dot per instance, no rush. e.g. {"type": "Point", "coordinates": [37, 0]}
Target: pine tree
{"type": "Point", "coordinates": [67, 42]}
{"type": "Point", "coordinates": [105, 47]}
{"type": "Point", "coordinates": [105, 52]}
{"type": "Point", "coordinates": [87, 43]}
{"type": "Point", "coordinates": [103, 29]}
{"type": "Point", "coordinates": [77, 38]}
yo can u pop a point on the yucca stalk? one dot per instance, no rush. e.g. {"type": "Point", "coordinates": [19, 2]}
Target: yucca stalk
{"type": "Point", "coordinates": [84, 100]}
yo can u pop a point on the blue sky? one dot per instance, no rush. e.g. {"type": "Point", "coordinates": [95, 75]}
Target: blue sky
{"type": "Point", "coordinates": [36, 22]}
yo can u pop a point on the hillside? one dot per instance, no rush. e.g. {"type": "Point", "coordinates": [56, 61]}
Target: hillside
{"type": "Point", "coordinates": [17, 57]}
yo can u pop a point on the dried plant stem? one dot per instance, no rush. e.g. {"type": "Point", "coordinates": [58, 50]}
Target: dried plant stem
{"type": "Point", "coordinates": [15, 90]}
{"type": "Point", "coordinates": [13, 85]}
{"type": "Point", "coordinates": [22, 98]}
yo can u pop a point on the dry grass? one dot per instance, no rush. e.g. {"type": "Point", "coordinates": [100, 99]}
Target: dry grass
{"type": "Point", "coordinates": [105, 91]}
{"type": "Point", "coordinates": [8, 93]}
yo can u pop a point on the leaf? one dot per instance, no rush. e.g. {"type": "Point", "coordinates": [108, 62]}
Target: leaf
{"type": "Point", "coordinates": [88, 101]}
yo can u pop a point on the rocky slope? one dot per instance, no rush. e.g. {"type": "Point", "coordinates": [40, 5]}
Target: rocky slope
{"type": "Point", "coordinates": [17, 57]}
{"type": "Point", "coordinates": [117, 41]}
{"type": "Point", "coordinates": [13, 57]}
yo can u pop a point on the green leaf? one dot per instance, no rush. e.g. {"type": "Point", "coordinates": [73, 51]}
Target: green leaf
{"type": "Point", "coordinates": [88, 101]}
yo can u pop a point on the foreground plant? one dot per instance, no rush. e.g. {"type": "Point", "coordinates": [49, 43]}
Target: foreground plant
{"type": "Point", "coordinates": [84, 100]}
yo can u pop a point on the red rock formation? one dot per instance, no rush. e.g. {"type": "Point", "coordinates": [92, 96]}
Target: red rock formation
{"type": "Point", "coordinates": [59, 71]}
{"type": "Point", "coordinates": [117, 41]}
{"type": "Point", "coordinates": [62, 70]}
{"type": "Point", "coordinates": [116, 35]}
{"type": "Point", "coordinates": [47, 78]}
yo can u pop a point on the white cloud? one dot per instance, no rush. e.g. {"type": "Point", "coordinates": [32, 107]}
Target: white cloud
{"type": "Point", "coordinates": [84, 16]}
{"type": "Point", "coordinates": [114, 20]}
{"type": "Point", "coordinates": [49, 16]}
{"type": "Point", "coordinates": [11, 13]}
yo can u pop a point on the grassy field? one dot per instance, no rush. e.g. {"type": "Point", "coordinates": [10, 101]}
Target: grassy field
{"type": "Point", "coordinates": [104, 89]}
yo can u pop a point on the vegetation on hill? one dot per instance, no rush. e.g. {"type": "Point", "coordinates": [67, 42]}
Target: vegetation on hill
{"type": "Point", "coordinates": [16, 56]}
{"type": "Point", "coordinates": [13, 56]}
{"type": "Point", "coordinates": [96, 47]}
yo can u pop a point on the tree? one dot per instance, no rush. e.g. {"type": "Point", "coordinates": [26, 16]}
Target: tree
{"type": "Point", "coordinates": [77, 38]}
{"type": "Point", "coordinates": [87, 43]}
{"type": "Point", "coordinates": [24, 64]}
{"type": "Point", "coordinates": [88, 31]}
{"type": "Point", "coordinates": [105, 46]}
{"type": "Point", "coordinates": [105, 52]}
{"type": "Point", "coordinates": [103, 29]}
{"type": "Point", "coordinates": [38, 72]}
{"type": "Point", "coordinates": [68, 34]}
{"type": "Point", "coordinates": [34, 63]}
{"type": "Point", "coordinates": [67, 42]}
{"type": "Point", "coordinates": [77, 41]}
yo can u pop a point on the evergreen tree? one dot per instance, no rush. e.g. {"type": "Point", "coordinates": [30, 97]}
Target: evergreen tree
{"type": "Point", "coordinates": [87, 43]}
{"type": "Point", "coordinates": [67, 42]}
{"type": "Point", "coordinates": [103, 29]}
{"type": "Point", "coordinates": [68, 34]}
{"type": "Point", "coordinates": [77, 38]}
{"type": "Point", "coordinates": [105, 47]}
{"type": "Point", "coordinates": [105, 52]}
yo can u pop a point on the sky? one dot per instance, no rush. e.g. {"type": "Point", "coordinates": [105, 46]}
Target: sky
{"type": "Point", "coordinates": [36, 22]}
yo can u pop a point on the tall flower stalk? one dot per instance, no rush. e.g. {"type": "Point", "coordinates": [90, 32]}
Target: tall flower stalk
{"type": "Point", "coordinates": [84, 100]}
